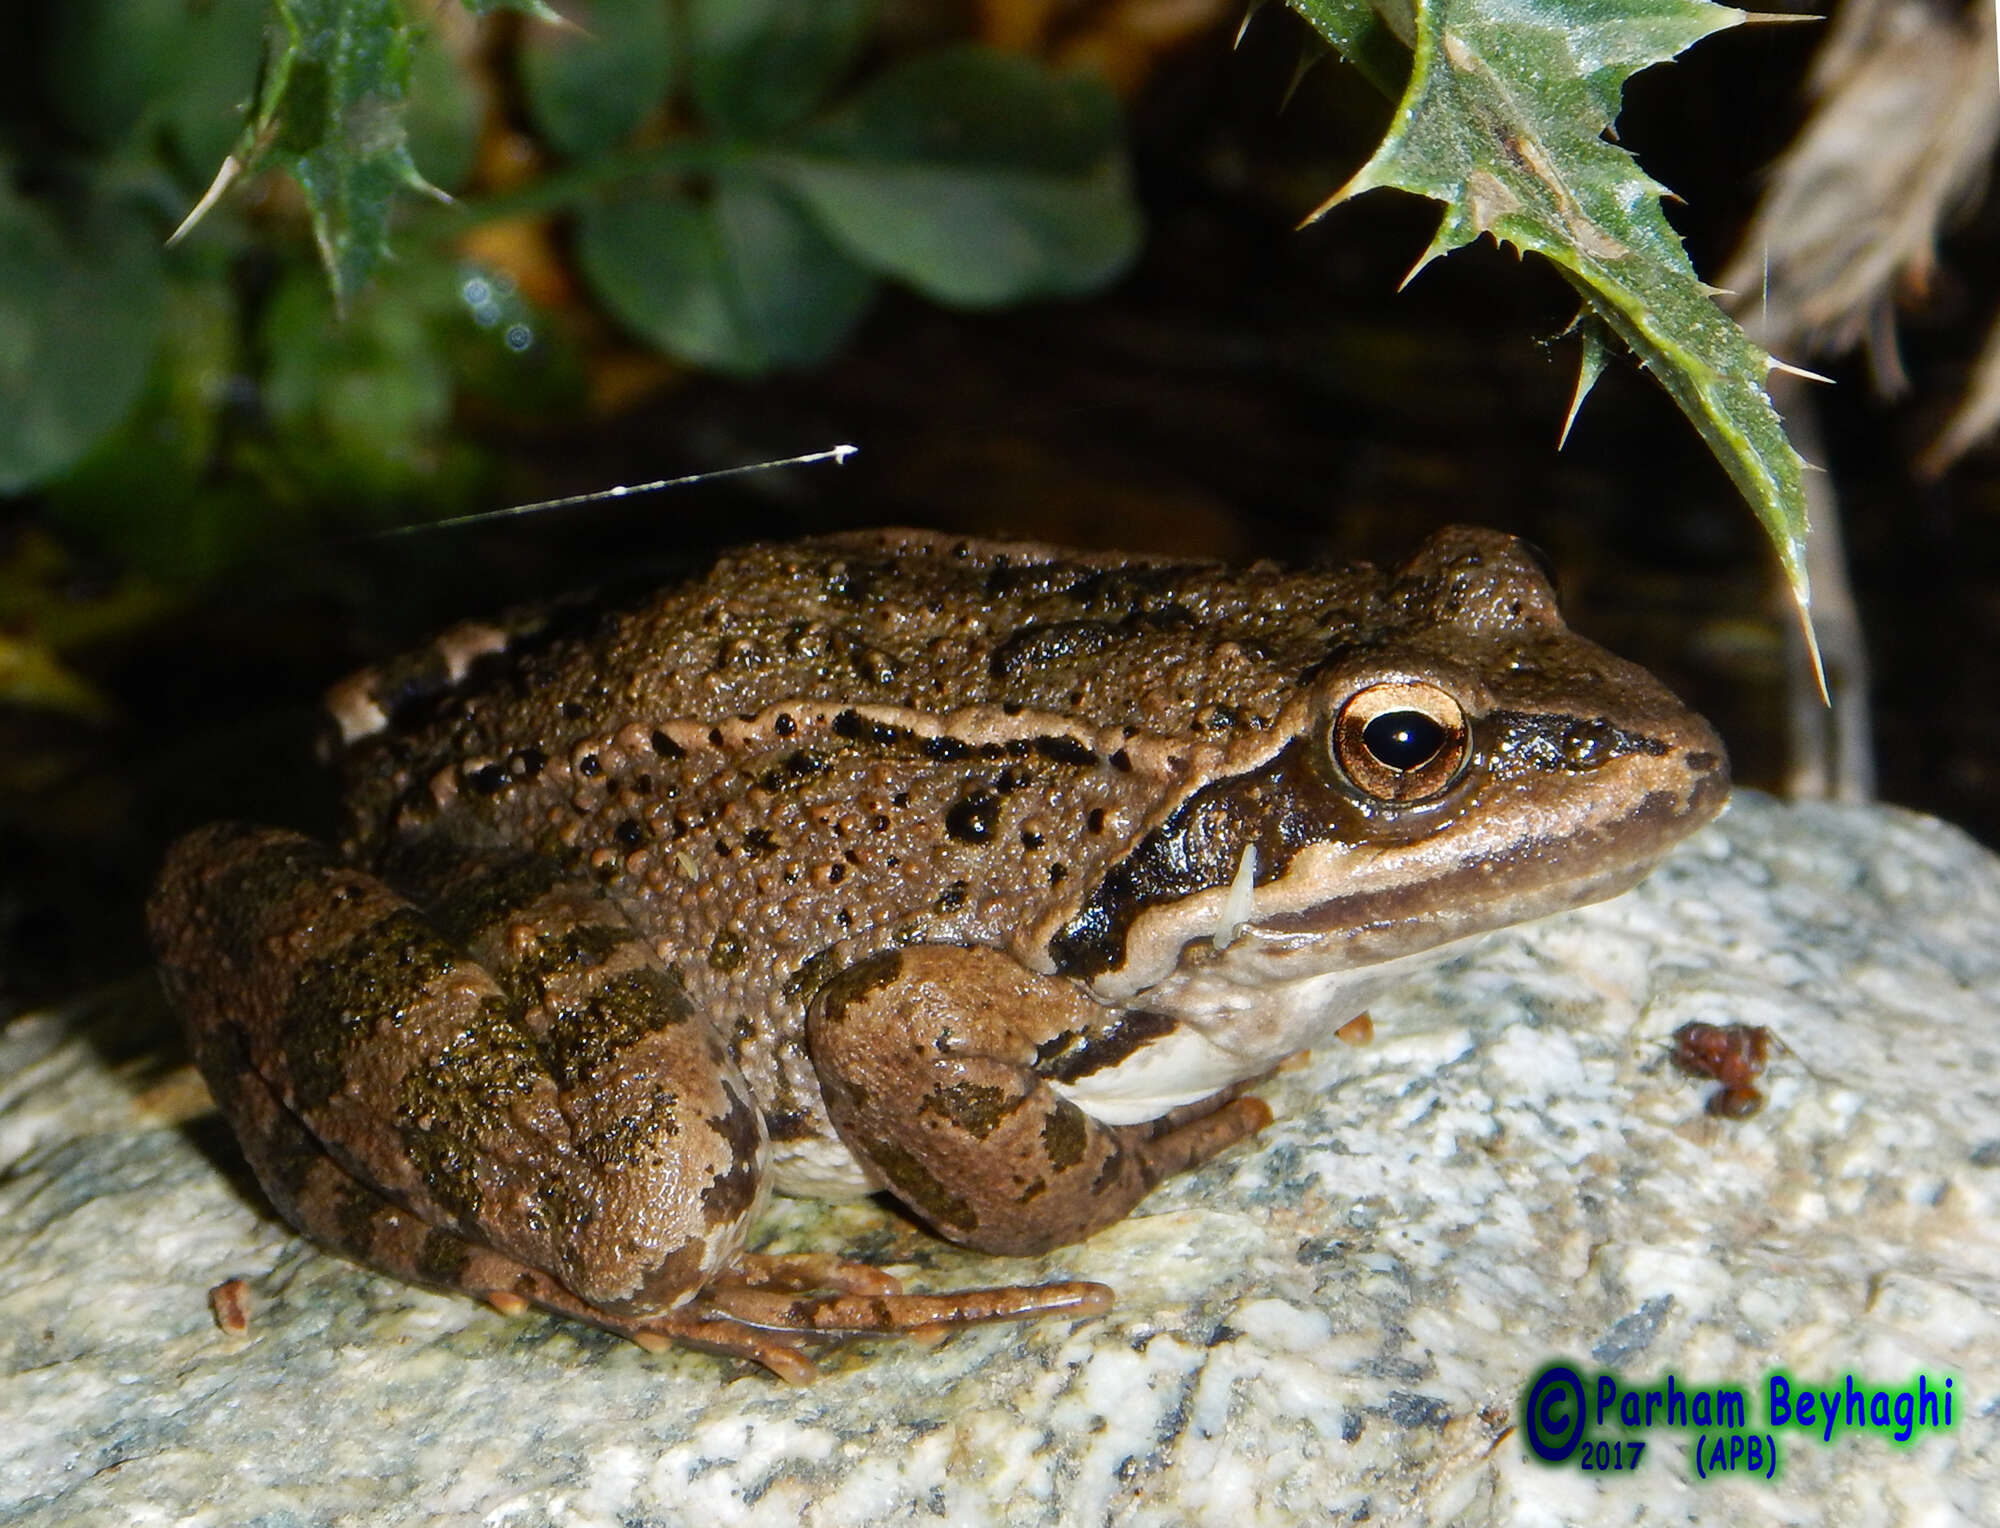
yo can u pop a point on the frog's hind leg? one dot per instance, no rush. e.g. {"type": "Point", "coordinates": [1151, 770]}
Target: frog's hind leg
{"type": "Point", "coordinates": [571, 1112]}
{"type": "Point", "coordinates": [928, 1061]}
{"type": "Point", "coordinates": [753, 1313]}
{"type": "Point", "coordinates": [314, 1192]}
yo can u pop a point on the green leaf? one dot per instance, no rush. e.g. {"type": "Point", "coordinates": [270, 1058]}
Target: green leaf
{"type": "Point", "coordinates": [332, 114]}
{"type": "Point", "coordinates": [744, 282]}
{"type": "Point", "coordinates": [1504, 122]}
{"type": "Point", "coordinates": [760, 65]}
{"type": "Point", "coordinates": [589, 86]}
{"type": "Point", "coordinates": [976, 177]}
{"type": "Point", "coordinates": [79, 322]}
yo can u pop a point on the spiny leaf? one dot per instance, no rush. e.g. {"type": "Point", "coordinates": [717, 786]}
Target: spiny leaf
{"type": "Point", "coordinates": [1365, 37]}
{"type": "Point", "coordinates": [1594, 338]}
{"type": "Point", "coordinates": [1504, 121]}
{"type": "Point", "coordinates": [331, 112]}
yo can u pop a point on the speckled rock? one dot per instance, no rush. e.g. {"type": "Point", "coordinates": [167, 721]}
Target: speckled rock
{"type": "Point", "coordinates": [1335, 1323]}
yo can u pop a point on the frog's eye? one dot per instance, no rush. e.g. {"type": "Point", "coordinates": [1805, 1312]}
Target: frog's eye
{"type": "Point", "coordinates": [1400, 742]}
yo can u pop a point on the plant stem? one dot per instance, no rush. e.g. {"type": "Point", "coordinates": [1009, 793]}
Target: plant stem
{"type": "Point", "coordinates": [565, 187]}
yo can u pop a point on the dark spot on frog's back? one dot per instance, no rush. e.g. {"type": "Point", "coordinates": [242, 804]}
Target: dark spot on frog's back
{"type": "Point", "coordinates": [727, 951]}
{"type": "Point", "coordinates": [974, 817]}
{"type": "Point", "coordinates": [1056, 644]}
{"type": "Point", "coordinates": [1009, 578]}
{"type": "Point", "coordinates": [489, 779]}
{"type": "Point", "coordinates": [861, 580]}
{"type": "Point", "coordinates": [792, 770]}
{"type": "Point", "coordinates": [566, 951]}
{"type": "Point", "coordinates": [857, 728]}
{"type": "Point", "coordinates": [1066, 750]}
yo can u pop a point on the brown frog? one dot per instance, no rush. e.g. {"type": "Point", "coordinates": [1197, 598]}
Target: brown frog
{"type": "Point", "coordinates": [987, 874]}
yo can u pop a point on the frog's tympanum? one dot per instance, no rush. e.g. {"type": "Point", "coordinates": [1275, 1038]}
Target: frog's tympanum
{"type": "Point", "coordinates": [988, 875]}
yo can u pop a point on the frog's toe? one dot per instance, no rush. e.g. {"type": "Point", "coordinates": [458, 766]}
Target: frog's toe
{"type": "Point", "coordinates": [732, 1339]}
{"type": "Point", "coordinates": [690, 1325]}
{"type": "Point", "coordinates": [839, 1314]}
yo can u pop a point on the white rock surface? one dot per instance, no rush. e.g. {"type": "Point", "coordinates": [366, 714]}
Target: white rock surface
{"type": "Point", "coordinates": [1335, 1323]}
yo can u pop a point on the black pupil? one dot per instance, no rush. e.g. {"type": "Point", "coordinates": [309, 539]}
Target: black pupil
{"type": "Point", "coordinates": [1403, 739]}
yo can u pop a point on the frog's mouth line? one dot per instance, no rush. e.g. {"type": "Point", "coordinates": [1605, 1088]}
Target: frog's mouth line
{"type": "Point", "coordinates": [1528, 876]}
{"type": "Point", "coordinates": [1530, 879]}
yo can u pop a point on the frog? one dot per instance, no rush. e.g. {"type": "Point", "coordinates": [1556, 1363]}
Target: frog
{"type": "Point", "coordinates": [988, 876]}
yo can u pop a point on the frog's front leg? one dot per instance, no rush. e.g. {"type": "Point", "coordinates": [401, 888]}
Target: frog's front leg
{"type": "Point", "coordinates": [927, 1059]}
